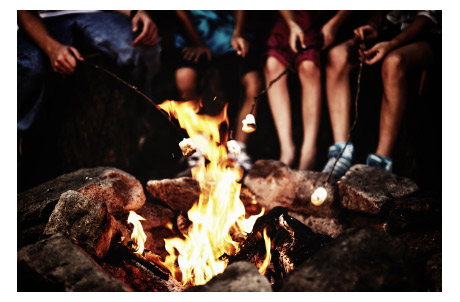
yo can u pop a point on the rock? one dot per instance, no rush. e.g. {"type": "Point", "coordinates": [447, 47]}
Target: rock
{"type": "Point", "coordinates": [367, 189]}
{"type": "Point", "coordinates": [433, 272]}
{"type": "Point", "coordinates": [358, 260]}
{"type": "Point", "coordinates": [36, 204]}
{"type": "Point", "coordinates": [275, 184]}
{"type": "Point", "coordinates": [422, 245]}
{"type": "Point", "coordinates": [120, 191]}
{"type": "Point", "coordinates": [414, 213]}
{"type": "Point", "coordinates": [83, 220]}
{"type": "Point", "coordinates": [364, 220]}
{"type": "Point", "coordinates": [326, 226]}
{"type": "Point", "coordinates": [56, 264]}
{"type": "Point", "coordinates": [155, 215]}
{"type": "Point", "coordinates": [237, 277]}
{"type": "Point", "coordinates": [178, 193]}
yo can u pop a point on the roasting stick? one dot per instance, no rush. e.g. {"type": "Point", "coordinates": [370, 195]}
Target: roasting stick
{"type": "Point", "coordinates": [320, 194]}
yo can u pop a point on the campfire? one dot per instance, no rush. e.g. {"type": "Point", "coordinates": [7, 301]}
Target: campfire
{"type": "Point", "coordinates": [277, 229]}
{"type": "Point", "coordinates": [218, 220]}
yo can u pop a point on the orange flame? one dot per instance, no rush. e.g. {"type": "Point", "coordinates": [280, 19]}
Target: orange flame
{"type": "Point", "coordinates": [268, 257]}
{"type": "Point", "coordinates": [219, 216]}
{"type": "Point", "coordinates": [138, 235]}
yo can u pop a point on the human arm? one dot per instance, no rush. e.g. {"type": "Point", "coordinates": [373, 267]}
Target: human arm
{"type": "Point", "coordinates": [239, 43]}
{"type": "Point", "coordinates": [420, 25]}
{"type": "Point", "coordinates": [329, 30]}
{"type": "Point", "coordinates": [295, 32]}
{"type": "Point", "coordinates": [370, 30]}
{"type": "Point", "coordinates": [62, 57]}
{"type": "Point", "coordinates": [149, 33]}
{"type": "Point", "coordinates": [197, 48]}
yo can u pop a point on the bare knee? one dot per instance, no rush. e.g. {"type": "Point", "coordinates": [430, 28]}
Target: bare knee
{"type": "Point", "coordinates": [337, 61]}
{"type": "Point", "coordinates": [185, 79]}
{"type": "Point", "coordinates": [273, 67]}
{"type": "Point", "coordinates": [308, 71]}
{"type": "Point", "coordinates": [393, 68]}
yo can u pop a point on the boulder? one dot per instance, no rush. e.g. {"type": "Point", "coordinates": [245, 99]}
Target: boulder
{"type": "Point", "coordinates": [56, 264]}
{"type": "Point", "coordinates": [238, 277]}
{"type": "Point", "coordinates": [275, 184]}
{"type": "Point", "coordinates": [178, 193]}
{"type": "Point", "coordinates": [367, 189]}
{"type": "Point", "coordinates": [36, 204]}
{"type": "Point", "coordinates": [120, 191]}
{"type": "Point", "coordinates": [83, 220]}
{"type": "Point", "coordinates": [357, 260]}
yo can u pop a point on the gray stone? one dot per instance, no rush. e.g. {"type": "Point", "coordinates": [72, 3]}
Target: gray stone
{"type": "Point", "coordinates": [120, 191]}
{"type": "Point", "coordinates": [358, 260]}
{"type": "Point", "coordinates": [237, 277]}
{"type": "Point", "coordinates": [36, 204]}
{"type": "Point", "coordinates": [321, 225]}
{"type": "Point", "coordinates": [275, 184]}
{"type": "Point", "coordinates": [367, 189]}
{"type": "Point", "coordinates": [178, 193]}
{"type": "Point", "coordinates": [83, 220]}
{"type": "Point", "coordinates": [56, 264]}
{"type": "Point", "coordinates": [414, 213]}
{"type": "Point", "coordinates": [155, 215]}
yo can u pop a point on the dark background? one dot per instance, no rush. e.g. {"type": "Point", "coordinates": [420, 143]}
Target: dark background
{"type": "Point", "coordinates": [92, 120]}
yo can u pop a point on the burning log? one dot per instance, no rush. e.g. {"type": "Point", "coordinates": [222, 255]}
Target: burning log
{"type": "Point", "coordinates": [292, 242]}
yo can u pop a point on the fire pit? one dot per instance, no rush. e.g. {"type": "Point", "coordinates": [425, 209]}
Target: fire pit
{"type": "Point", "coordinates": [96, 229]}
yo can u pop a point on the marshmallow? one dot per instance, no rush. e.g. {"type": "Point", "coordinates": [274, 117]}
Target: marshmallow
{"type": "Point", "coordinates": [319, 196]}
{"type": "Point", "coordinates": [187, 146]}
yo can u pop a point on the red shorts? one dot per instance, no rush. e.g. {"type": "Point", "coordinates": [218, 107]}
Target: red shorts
{"type": "Point", "coordinates": [278, 41]}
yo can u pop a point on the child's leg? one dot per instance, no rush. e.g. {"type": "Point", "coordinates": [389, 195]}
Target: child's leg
{"type": "Point", "coordinates": [252, 85]}
{"type": "Point", "coordinates": [394, 76]}
{"type": "Point", "coordinates": [186, 79]}
{"type": "Point", "coordinates": [280, 105]}
{"type": "Point", "coordinates": [310, 79]}
{"type": "Point", "coordinates": [338, 69]}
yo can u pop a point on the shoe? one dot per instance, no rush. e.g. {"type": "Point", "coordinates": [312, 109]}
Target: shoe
{"type": "Point", "coordinates": [344, 163]}
{"type": "Point", "coordinates": [380, 162]}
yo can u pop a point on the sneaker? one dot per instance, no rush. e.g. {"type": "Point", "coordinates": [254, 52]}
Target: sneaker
{"type": "Point", "coordinates": [380, 162]}
{"type": "Point", "coordinates": [344, 163]}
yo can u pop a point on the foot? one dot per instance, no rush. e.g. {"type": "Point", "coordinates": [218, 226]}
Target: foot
{"type": "Point", "coordinates": [307, 158]}
{"type": "Point", "coordinates": [287, 156]}
{"type": "Point", "coordinates": [344, 163]}
{"type": "Point", "coordinates": [379, 161]}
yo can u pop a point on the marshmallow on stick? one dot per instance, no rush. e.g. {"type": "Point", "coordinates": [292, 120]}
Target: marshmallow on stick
{"type": "Point", "coordinates": [249, 124]}
{"type": "Point", "coordinates": [187, 146]}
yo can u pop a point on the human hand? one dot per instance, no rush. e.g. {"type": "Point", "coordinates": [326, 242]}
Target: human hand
{"type": "Point", "coordinates": [377, 52]}
{"type": "Point", "coordinates": [240, 45]}
{"type": "Point", "coordinates": [328, 32]}
{"type": "Point", "coordinates": [63, 58]}
{"type": "Point", "coordinates": [194, 53]}
{"type": "Point", "coordinates": [296, 33]}
{"type": "Point", "coordinates": [366, 32]}
{"type": "Point", "coordinates": [149, 34]}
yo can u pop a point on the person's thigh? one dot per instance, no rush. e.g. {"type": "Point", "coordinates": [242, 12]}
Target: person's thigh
{"type": "Point", "coordinates": [418, 55]}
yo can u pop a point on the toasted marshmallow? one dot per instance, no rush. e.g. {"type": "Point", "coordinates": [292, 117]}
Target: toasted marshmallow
{"type": "Point", "coordinates": [233, 147]}
{"type": "Point", "coordinates": [319, 196]}
{"type": "Point", "coordinates": [187, 146]}
{"type": "Point", "coordinates": [249, 124]}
